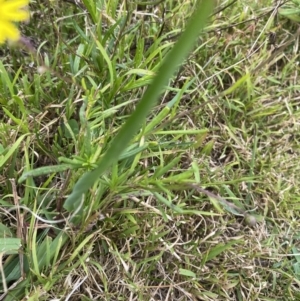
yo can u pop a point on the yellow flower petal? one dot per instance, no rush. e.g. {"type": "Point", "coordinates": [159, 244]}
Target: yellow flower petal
{"type": "Point", "coordinates": [8, 31]}
{"type": "Point", "coordinates": [14, 5]}
{"type": "Point", "coordinates": [16, 16]}
{"type": "Point", "coordinates": [11, 11]}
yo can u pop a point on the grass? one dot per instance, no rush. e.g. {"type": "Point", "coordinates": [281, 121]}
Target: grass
{"type": "Point", "coordinates": [116, 189]}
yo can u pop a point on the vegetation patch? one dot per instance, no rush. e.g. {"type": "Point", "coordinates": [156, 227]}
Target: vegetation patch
{"type": "Point", "coordinates": [150, 151]}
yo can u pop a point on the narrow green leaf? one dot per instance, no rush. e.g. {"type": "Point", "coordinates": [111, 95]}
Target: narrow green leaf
{"type": "Point", "coordinates": [188, 273]}
{"type": "Point", "coordinates": [16, 120]}
{"type": "Point", "coordinates": [237, 84]}
{"type": "Point", "coordinates": [199, 213]}
{"type": "Point", "coordinates": [218, 249]}
{"type": "Point", "coordinates": [131, 151]}
{"type": "Point", "coordinates": [12, 149]}
{"type": "Point", "coordinates": [167, 203]}
{"type": "Point", "coordinates": [108, 61]}
{"type": "Point", "coordinates": [45, 170]}
{"type": "Point", "coordinates": [162, 170]}
{"type": "Point", "coordinates": [296, 253]}
{"type": "Point", "coordinates": [5, 78]}
{"type": "Point", "coordinates": [91, 8]}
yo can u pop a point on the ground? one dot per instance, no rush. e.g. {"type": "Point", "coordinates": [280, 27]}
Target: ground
{"type": "Point", "coordinates": [197, 201]}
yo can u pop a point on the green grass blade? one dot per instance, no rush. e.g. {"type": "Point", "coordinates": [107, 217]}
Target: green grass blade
{"type": "Point", "coordinates": [91, 8]}
{"type": "Point", "coordinates": [218, 249]}
{"type": "Point", "coordinates": [45, 170]}
{"type": "Point", "coordinates": [12, 149]}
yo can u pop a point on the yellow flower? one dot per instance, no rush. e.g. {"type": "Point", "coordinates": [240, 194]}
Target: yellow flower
{"type": "Point", "coordinates": [11, 11]}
